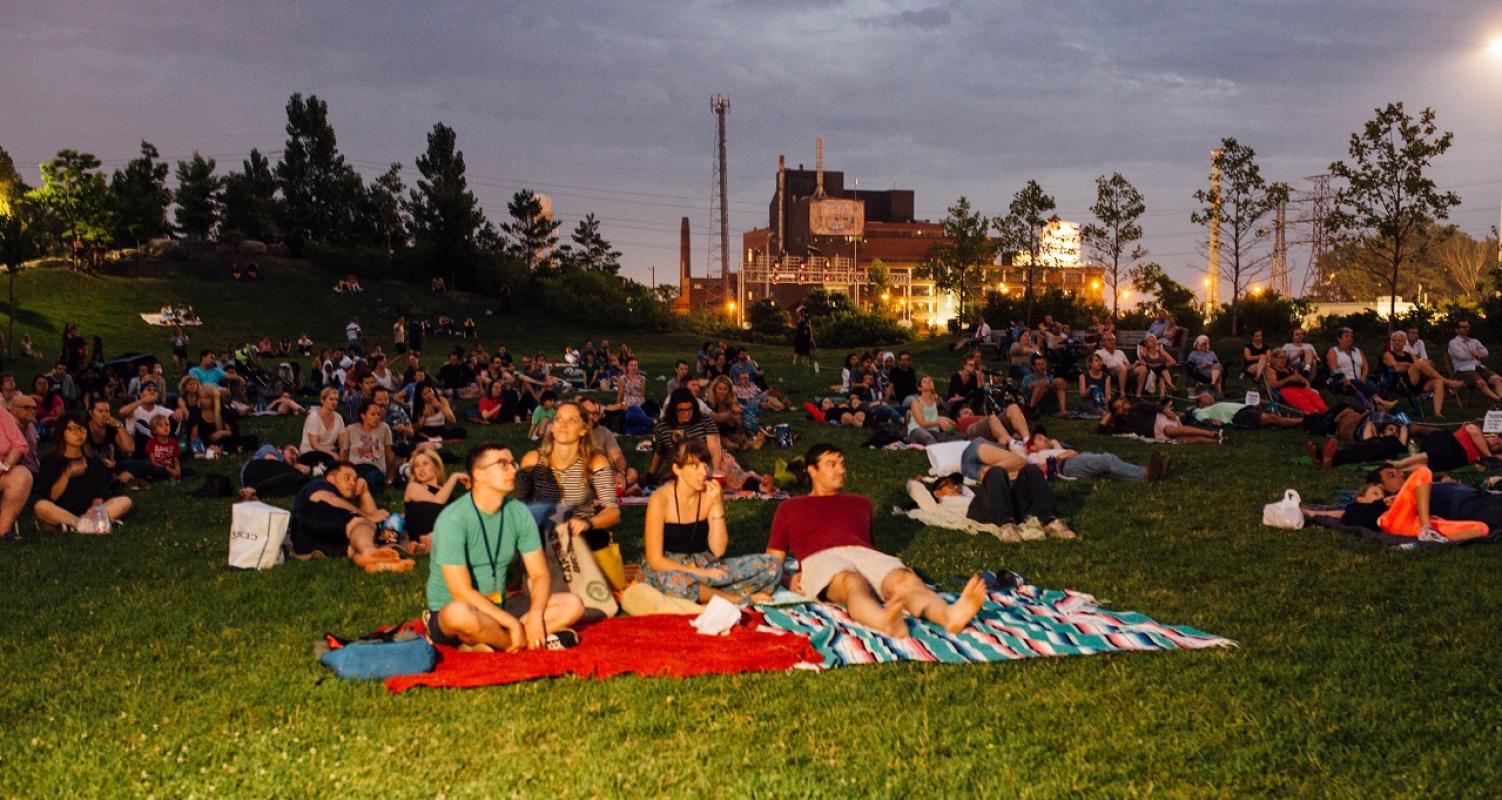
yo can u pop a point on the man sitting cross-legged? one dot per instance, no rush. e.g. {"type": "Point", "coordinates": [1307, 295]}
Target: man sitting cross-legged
{"type": "Point", "coordinates": [474, 541]}
{"type": "Point", "coordinates": [829, 532]}
{"type": "Point", "coordinates": [335, 515]}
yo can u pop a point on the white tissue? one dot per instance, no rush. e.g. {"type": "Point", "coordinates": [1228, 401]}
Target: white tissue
{"type": "Point", "coordinates": [718, 617]}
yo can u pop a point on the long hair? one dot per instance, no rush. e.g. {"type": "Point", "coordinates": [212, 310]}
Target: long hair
{"type": "Point", "coordinates": [679, 396]}
{"type": "Point", "coordinates": [714, 400]}
{"type": "Point", "coordinates": [586, 444]}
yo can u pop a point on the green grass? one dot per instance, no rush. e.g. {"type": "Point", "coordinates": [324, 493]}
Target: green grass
{"type": "Point", "coordinates": [138, 665]}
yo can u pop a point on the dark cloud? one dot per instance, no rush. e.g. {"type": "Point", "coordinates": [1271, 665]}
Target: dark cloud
{"type": "Point", "coordinates": [605, 105]}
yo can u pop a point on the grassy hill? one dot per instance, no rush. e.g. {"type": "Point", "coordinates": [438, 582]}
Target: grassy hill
{"type": "Point", "coordinates": [138, 665]}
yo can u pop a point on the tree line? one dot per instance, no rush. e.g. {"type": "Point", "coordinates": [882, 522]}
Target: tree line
{"type": "Point", "coordinates": [1385, 225]}
{"type": "Point", "coordinates": [311, 200]}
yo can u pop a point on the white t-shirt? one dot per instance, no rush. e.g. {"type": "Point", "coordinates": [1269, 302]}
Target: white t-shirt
{"type": "Point", "coordinates": [140, 419]}
{"type": "Point", "coordinates": [352, 331]}
{"type": "Point", "coordinates": [314, 430]}
{"type": "Point", "coordinates": [1466, 354]}
{"type": "Point", "coordinates": [958, 504]}
{"type": "Point", "coordinates": [1112, 360]}
{"type": "Point", "coordinates": [1416, 349]}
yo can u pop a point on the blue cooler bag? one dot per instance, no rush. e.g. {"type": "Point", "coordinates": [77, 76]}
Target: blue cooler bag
{"type": "Point", "coordinates": [377, 660]}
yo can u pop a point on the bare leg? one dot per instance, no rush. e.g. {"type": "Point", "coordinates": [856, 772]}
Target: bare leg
{"type": "Point", "coordinates": [1059, 392]}
{"type": "Point", "coordinates": [50, 513]}
{"type": "Point", "coordinates": [1276, 421]}
{"type": "Point", "coordinates": [1017, 421]}
{"type": "Point", "coordinates": [1139, 378]}
{"type": "Point", "coordinates": [906, 589]}
{"type": "Point", "coordinates": [1436, 389]}
{"type": "Point", "coordinates": [1492, 388]}
{"type": "Point", "coordinates": [852, 591]}
{"type": "Point", "coordinates": [1190, 435]}
{"type": "Point", "coordinates": [117, 507]}
{"type": "Point", "coordinates": [16, 488]}
{"type": "Point", "coordinates": [1478, 439]}
{"type": "Point", "coordinates": [472, 626]}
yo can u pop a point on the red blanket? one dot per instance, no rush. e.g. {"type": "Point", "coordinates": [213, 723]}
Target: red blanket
{"type": "Point", "coordinates": [661, 644]}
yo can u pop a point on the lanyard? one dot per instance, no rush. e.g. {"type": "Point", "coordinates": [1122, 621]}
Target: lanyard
{"type": "Point", "coordinates": [491, 553]}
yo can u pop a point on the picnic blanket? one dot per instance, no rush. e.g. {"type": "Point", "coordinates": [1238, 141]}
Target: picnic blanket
{"type": "Point", "coordinates": [745, 494]}
{"type": "Point", "coordinates": [657, 645]}
{"type": "Point", "coordinates": [156, 319]}
{"type": "Point", "coordinates": [1025, 622]}
{"type": "Point", "coordinates": [1379, 536]}
{"type": "Point", "coordinates": [953, 522]}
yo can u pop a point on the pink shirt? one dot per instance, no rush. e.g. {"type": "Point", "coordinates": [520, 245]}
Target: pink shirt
{"type": "Point", "coordinates": [11, 437]}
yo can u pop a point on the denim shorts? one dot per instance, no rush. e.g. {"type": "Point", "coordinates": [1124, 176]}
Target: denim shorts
{"type": "Point", "coordinates": [970, 463]}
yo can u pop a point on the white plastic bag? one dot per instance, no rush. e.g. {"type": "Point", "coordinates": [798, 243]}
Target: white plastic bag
{"type": "Point", "coordinates": [256, 533]}
{"type": "Point", "coordinates": [1285, 513]}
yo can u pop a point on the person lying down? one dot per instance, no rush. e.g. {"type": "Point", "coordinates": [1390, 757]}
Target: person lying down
{"type": "Point", "coordinates": [1406, 511]}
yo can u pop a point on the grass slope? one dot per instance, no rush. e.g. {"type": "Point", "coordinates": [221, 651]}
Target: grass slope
{"type": "Point", "coordinates": [138, 665]}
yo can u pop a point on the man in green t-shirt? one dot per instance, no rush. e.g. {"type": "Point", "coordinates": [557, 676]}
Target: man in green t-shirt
{"type": "Point", "coordinates": [474, 541]}
{"type": "Point", "coordinates": [1209, 412]}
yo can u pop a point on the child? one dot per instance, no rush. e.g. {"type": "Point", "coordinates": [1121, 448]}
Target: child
{"type": "Point", "coordinates": [542, 416]}
{"type": "Point", "coordinates": [163, 451]}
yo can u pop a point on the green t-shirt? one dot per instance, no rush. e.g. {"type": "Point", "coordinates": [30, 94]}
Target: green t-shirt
{"type": "Point", "coordinates": [458, 540]}
{"type": "Point", "coordinates": [542, 413]}
{"type": "Point", "coordinates": [1220, 412]}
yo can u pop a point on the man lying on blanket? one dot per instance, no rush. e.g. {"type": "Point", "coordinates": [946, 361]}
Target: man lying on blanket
{"type": "Point", "coordinates": [474, 541]}
{"type": "Point", "coordinates": [829, 532]}
{"type": "Point", "coordinates": [1438, 513]}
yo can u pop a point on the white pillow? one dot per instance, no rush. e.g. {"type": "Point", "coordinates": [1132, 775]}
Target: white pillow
{"type": "Point", "coordinates": [944, 458]}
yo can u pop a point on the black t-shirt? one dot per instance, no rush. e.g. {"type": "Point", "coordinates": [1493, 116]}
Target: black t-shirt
{"type": "Point", "coordinates": [960, 386]}
{"type": "Point", "coordinates": [904, 383]}
{"type": "Point", "coordinates": [305, 495]}
{"type": "Point", "coordinates": [1364, 515]}
{"type": "Point", "coordinates": [455, 376]}
{"type": "Point", "coordinates": [94, 482]}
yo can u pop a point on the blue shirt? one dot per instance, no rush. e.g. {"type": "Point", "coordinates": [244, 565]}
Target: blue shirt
{"type": "Point", "coordinates": [210, 376]}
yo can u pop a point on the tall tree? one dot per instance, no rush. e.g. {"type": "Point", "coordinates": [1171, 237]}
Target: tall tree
{"type": "Point", "coordinates": [1020, 233]}
{"type": "Point", "coordinates": [589, 250]}
{"type": "Point", "coordinates": [384, 217]}
{"type": "Point", "coordinates": [1113, 241]}
{"type": "Point", "coordinates": [1237, 207]}
{"type": "Point", "coordinates": [140, 198]}
{"type": "Point", "coordinates": [249, 199]}
{"type": "Point", "coordinates": [955, 264]}
{"type": "Point", "coordinates": [320, 192]}
{"type": "Point", "coordinates": [197, 196]}
{"type": "Point", "coordinates": [446, 217]}
{"type": "Point", "coordinates": [18, 244]}
{"type": "Point", "coordinates": [1387, 201]}
{"type": "Point", "coordinates": [74, 192]}
{"type": "Point", "coordinates": [533, 236]}
{"type": "Point", "coordinates": [12, 188]}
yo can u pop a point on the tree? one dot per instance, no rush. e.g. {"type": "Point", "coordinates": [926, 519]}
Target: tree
{"type": "Point", "coordinates": [12, 188]}
{"type": "Point", "coordinates": [589, 250]}
{"type": "Point", "coordinates": [955, 263]}
{"type": "Point", "coordinates": [1387, 202]}
{"type": "Point", "coordinates": [1172, 296]}
{"type": "Point", "coordinates": [384, 218]}
{"type": "Point", "coordinates": [18, 242]}
{"type": "Point", "coordinates": [320, 192]}
{"type": "Point", "coordinates": [446, 217]}
{"type": "Point", "coordinates": [1466, 262]}
{"type": "Point", "coordinates": [1118, 206]}
{"type": "Point", "coordinates": [140, 198]}
{"type": "Point", "coordinates": [1020, 234]}
{"type": "Point", "coordinates": [879, 280]}
{"type": "Point", "coordinates": [76, 195]}
{"type": "Point", "coordinates": [1236, 206]}
{"type": "Point", "coordinates": [533, 236]}
{"type": "Point", "coordinates": [249, 200]}
{"type": "Point", "coordinates": [197, 197]}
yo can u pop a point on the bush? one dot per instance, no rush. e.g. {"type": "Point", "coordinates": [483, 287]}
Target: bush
{"type": "Point", "coordinates": [623, 300]}
{"type": "Point", "coordinates": [1274, 314]}
{"type": "Point", "coordinates": [858, 329]}
{"type": "Point", "coordinates": [1070, 309]}
{"type": "Point", "coordinates": [824, 303]}
{"type": "Point", "coordinates": [767, 317]}
{"type": "Point", "coordinates": [370, 263]}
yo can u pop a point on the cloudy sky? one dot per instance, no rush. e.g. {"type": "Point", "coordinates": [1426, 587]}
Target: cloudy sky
{"type": "Point", "coordinates": [605, 106]}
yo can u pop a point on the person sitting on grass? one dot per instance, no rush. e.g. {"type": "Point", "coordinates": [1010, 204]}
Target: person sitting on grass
{"type": "Point", "coordinates": [71, 483]}
{"type": "Point", "coordinates": [542, 416]}
{"type": "Point", "coordinates": [1095, 387]}
{"type": "Point", "coordinates": [1416, 506]}
{"type": "Point", "coordinates": [367, 445]}
{"type": "Point", "coordinates": [336, 515]}
{"type": "Point", "coordinates": [685, 539]}
{"type": "Point", "coordinates": [217, 425]}
{"type": "Point", "coordinates": [829, 532]}
{"type": "Point", "coordinates": [434, 415]}
{"type": "Point", "coordinates": [273, 472]}
{"type": "Point", "coordinates": [1038, 384]}
{"type": "Point", "coordinates": [730, 416]}
{"type": "Point", "coordinates": [1203, 366]}
{"type": "Point", "coordinates": [925, 425]}
{"type": "Point", "coordinates": [1209, 412]}
{"type": "Point", "coordinates": [163, 453]}
{"type": "Point", "coordinates": [285, 405]}
{"type": "Point", "coordinates": [474, 542]}
{"type": "Point", "coordinates": [428, 493]}
{"type": "Point", "coordinates": [684, 420]}
{"type": "Point", "coordinates": [15, 479]}
{"type": "Point", "coordinates": [567, 469]}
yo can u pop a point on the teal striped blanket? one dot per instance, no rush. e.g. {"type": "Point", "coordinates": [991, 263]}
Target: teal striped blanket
{"type": "Point", "coordinates": [1022, 623]}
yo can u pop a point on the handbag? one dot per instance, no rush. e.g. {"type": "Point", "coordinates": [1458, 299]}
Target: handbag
{"type": "Point", "coordinates": [1285, 513]}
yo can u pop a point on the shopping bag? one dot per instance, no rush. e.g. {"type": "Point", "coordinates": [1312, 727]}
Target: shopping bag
{"type": "Point", "coordinates": [1285, 513]}
{"type": "Point", "coordinates": [256, 533]}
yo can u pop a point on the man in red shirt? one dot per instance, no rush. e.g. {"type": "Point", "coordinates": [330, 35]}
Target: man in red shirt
{"type": "Point", "coordinates": [829, 532]}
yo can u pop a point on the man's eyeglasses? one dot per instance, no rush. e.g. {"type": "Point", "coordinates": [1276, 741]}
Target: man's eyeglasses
{"type": "Point", "coordinates": [505, 463]}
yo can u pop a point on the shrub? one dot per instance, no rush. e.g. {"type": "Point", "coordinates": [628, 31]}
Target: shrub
{"type": "Point", "coordinates": [1071, 309]}
{"type": "Point", "coordinates": [858, 329]}
{"type": "Point", "coordinates": [1274, 314]}
{"type": "Point", "coordinates": [632, 304]}
{"type": "Point", "coordinates": [768, 318]}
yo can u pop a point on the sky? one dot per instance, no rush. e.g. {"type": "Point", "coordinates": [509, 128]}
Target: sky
{"type": "Point", "coordinates": [606, 106]}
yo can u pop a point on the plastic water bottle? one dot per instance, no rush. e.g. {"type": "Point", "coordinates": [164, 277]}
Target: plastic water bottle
{"type": "Point", "coordinates": [395, 523]}
{"type": "Point", "coordinates": [97, 520]}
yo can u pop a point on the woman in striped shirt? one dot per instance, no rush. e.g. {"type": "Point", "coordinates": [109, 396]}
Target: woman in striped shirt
{"type": "Point", "coordinates": [565, 469]}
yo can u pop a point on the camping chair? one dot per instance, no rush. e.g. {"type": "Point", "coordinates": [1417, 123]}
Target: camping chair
{"type": "Point", "coordinates": [1393, 384]}
{"type": "Point", "coordinates": [1447, 368]}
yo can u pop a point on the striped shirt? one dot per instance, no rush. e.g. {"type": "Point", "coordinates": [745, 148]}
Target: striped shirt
{"type": "Point", "coordinates": [567, 485]}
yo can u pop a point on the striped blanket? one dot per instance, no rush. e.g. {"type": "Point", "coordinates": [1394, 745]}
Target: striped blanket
{"type": "Point", "coordinates": [1021, 623]}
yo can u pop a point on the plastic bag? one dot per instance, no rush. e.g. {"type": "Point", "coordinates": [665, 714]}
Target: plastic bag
{"type": "Point", "coordinates": [1285, 513]}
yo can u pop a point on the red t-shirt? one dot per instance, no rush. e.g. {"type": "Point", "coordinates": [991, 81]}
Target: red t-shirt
{"type": "Point", "coordinates": [804, 526]}
{"type": "Point", "coordinates": [162, 454]}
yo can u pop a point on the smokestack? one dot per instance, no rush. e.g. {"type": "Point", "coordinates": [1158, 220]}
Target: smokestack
{"type": "Point", "coordinates": [684, 270]}
{"type": "Point", "coordinates": [781, 200]}
{"type": "Point", "coordinates": [819, 169]}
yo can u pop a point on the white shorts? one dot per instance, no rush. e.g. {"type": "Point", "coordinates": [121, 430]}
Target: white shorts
{"type": "Point", "coordinates": [821, 567]}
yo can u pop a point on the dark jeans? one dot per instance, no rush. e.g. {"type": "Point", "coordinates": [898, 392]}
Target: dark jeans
{"type": "Point", "coordinates": [999, 500]}
{"type": "Point", "coordinates": [1377, 448]}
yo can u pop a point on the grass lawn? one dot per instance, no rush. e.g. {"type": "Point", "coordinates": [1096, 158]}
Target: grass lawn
{"type": "Point", "coordinates": [139, 665]}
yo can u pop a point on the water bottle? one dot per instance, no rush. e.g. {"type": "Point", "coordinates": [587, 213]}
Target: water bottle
{"type": "Point", "coordinates": [97, 520]}
{"type": "Point", "coordinates": [395, 523]}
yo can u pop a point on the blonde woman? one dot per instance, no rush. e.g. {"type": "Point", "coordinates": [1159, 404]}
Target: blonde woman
{"type": "Point", "coordinates": [322, 432]}
{"type": "Point", "coordinates": [725, 409]}
{"type": "Point", "coordinates": [428, 493]}
{"type": "Point", "coordinates": [566, 469]}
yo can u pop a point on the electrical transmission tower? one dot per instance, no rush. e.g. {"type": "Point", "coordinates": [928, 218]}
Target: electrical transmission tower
{"type": "Point", "coordinates": [1319, 285]}
{"type": "Point", "coordinates": [718, 263]}
{"type": "Point", "coordinates": [1278, 282]}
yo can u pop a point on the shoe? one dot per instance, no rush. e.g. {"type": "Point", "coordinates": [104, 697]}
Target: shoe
{"type": "Point", "coordinates": [1009, 534]}
{"type": "Point", "coordinates": [1157, 467]}
{"type": "Point", "coordinates": [1059, 530]}
{"type": "Point", "coordinates": [14, 534]}
{"type": "Point", "coordinates": [561, 640]}
{"type": "Point", "coordinates": [1327, 453]}
{"type": "Point", "coordinates": [1032, 530]}
{"type": "Point", "coordinates": [1432, 536]}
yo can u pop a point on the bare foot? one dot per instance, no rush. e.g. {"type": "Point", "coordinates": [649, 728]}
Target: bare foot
{"type": "Point", "coordinates": [400, 565]}
{"type": "Point", "coordinates": [247, 494]}
{"type": "Point", "coordinates": [894, 620]}
{"type": "Point", "coordinates": [375, 556]}
{"type": "Point", "coordinates": [966, 606]}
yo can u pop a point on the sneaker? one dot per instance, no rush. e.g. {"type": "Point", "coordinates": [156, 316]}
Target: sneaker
{"type": "Point", "coordinates": [1327, 453]}
{"type": "Point", "coordinates": [1059, 530]}
{"type": "Point", "coordinates": [1009, 534]}
{"type": "Point", "coordinates": [1157, 467]}
{"type": "Point", "coordinates": [1032, 530]}
{"type": "Point", "coordinates": [14, 534]}
{"type": "Point", "coordinates": [1432, 536]}
{"type": "Point", "coordinates": [561, 640]}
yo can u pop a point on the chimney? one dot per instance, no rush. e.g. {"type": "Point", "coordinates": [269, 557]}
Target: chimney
{"type": "Point", "coordinates": [819, 169]}
{"type": "Point", "coordinates": [684, 266]}
{"type": "Point", "coordinates": [781, 201]}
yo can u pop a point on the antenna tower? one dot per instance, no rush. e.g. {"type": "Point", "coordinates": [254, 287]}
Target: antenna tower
{"type": "Point", "coordinates": [1212, 248]}
{"type": "Point", "coordinates": [1317, 285]}
{"type": "Point", "coordinates": [718, 264]}
{"type": "Point", "coordinates": [1278, 282]}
